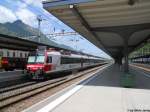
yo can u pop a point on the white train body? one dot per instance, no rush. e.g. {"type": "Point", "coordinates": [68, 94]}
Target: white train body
{"type": "Point", "coordinates": [13, 53]}
{"type": "Point", "coordinates": [42, 63]}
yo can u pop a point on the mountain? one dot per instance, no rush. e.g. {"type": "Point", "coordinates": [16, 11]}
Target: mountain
{"type": "Point", "coordinates": [19, 29]}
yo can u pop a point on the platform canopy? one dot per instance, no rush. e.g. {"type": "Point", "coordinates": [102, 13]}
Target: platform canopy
{"type": "Point", "coordinates": [108, 24]}
{"type": "Point", "coordinates": [17, 43]}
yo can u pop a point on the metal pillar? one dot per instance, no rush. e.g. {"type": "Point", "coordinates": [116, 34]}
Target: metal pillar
{"type": "Point", "coordinates": [39, 31]}
{"type": "Point", "coordinates": [39, 18]}
{"type": "Point", "coordinates": [126, 64]}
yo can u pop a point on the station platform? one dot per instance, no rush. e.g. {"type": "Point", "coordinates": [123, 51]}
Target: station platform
{"type": "Point", "coordinates": [100, 93]}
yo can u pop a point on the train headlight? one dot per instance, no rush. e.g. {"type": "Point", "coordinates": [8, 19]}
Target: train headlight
{"type": "Point", "coordinates": [27, 67]}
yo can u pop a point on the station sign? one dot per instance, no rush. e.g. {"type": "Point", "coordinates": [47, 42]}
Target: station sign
{"type": "Point", "coordinates": [54, 3]}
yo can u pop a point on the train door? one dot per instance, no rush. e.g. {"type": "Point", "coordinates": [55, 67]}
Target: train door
{"type": "Point", "coordinates": [48, 63]}
{"type": "Point", "coordinates": [56, 61]}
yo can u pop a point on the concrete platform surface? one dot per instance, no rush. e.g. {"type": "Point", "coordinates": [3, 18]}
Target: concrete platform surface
{"type": "Point", "coordinates": [102, 94]}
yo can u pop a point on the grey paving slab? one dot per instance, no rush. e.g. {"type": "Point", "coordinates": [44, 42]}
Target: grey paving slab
{"type": "Point", "coordinates": [104, 94]}
{"type": "Point", "coordinates": [142, 78]}
{"type": "Point", "coordinates": [101, 94]}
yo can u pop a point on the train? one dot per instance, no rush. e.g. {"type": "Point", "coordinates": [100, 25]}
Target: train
{"type": "Point", "coordinates": [42, 63]}
{"type": "Point", "coordinates": [145, 59]}
{"type": "Point", "coordinates": [13, 59]}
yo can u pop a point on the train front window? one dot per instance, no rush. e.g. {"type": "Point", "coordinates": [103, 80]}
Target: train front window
{"type": "Point", "coordinates": [40, 59]}
{"type": "Point", "coordinates": [31, 59]}
{"type": "Point", "coordinates": [36, 59]}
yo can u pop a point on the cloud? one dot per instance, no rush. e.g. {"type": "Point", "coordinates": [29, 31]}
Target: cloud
{"type": "Point", "coordinates": [19, 4]}
{"type": "Point", "coordinates": [36, 3]}
{"type": "Point", "coordinates": [6, 15]}
{"type": "Point", "coordinates": [46, 27]}
{"type": "Point", "coordinates": [19, 12]}
{"type": "Point", "coordinates": [26, 16]}
{"type": "Point", "coordinates": [27, 11]}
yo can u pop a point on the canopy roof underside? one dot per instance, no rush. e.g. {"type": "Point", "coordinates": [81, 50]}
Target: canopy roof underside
{"type": "Point", "coordinates": [107, 23]}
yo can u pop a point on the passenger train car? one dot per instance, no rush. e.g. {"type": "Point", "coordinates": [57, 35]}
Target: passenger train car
{"type": "Point", "coordinates": [44, 62]}
{"type": "Point", "coordinates": [13, 59]}
{"type": "Point", "coordinates": [145, 59]}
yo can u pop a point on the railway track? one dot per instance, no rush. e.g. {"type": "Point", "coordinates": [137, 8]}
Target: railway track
{"type": "Point", "coordinates": [5, 89]}
{"type": "Point", "coordinates": [15, 94]}
{"type": "Point", "coordinates": [147, 69]}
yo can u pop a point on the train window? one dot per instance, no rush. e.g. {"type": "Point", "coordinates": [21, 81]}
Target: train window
{"type": "Point", "coordinates": [36, 59]}
{"type": "Point", "coordinates": [26, 55]}
{"type": "Point", "coordinates": [13, 54]}
{"type": "Point", "coordinates": [49, 59]}
{"type": "Point", "coordinates": [65, 60]}
{"type": "Point", "coordinates": [86, 60]}
{"type": "Point", "coordinates": [7, 53]}
{"type": "Point", "coordinates": [31, 59]}
{"type": "Point", "coordinates": [40, 59]}
{"type": "Point", "coordinates": [21, 55]}
{"type": "Point", "coordinates": [1, 53]}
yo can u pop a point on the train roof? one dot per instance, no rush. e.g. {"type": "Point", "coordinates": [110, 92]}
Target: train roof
{"type": "Point", "coordinates": [72, 52]}
{"type": "Point", "coordinates": [71, 55]}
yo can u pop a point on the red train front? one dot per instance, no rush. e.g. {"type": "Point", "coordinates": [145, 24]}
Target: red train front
{"type": "Point", "coordinates": [38, 64]}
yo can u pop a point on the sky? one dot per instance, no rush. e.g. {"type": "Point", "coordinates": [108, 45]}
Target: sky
{"type": "Point", "coordinates": [28, 10]}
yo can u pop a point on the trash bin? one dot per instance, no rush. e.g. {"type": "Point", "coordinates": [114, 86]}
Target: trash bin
{"type": "Point", "coordinates": [127, 80]}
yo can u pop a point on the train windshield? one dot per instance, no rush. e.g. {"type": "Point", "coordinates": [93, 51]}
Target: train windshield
{"type": "Point", "coordinates": [36, 59]}
{"type": "Point", "coordinates": [31, 59]}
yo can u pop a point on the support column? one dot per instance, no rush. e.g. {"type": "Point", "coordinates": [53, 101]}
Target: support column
{"type": "Point", "coordinates": [126, 64]}
{"type": "Point", "coordinates": [127, 79]}
{"type": "Point", "coordinates": [118, 60]}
